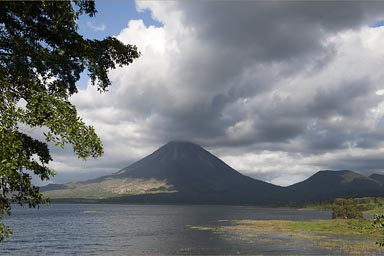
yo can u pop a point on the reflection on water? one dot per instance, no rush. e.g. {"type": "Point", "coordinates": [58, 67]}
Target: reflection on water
{"type": "Point", "coordinates": [93, 229]}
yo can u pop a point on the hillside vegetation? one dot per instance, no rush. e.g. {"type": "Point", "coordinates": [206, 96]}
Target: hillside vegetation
{"type": "Point", "coordinates": [109, 188]}
{"type": "Point", "coordinates": [368, 205]}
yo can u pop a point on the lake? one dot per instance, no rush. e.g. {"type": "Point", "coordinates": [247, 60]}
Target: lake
{"type": "Point", "coordinates": [109, 229]}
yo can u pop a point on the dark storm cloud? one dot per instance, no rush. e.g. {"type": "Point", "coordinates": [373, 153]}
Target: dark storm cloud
{"type": "Point", "coordinates": [344, 99]}
{"type": "Point", "coordinates": [246, 37]}
{"type": "Point", "coordinates": [276, 30]}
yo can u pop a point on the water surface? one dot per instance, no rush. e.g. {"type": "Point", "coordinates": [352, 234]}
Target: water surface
{"type": "Point", "coordinates": [96, 229]}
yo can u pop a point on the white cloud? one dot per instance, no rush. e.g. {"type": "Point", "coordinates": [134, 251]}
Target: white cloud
{"type": "Point", "coordinates": [96, 27]}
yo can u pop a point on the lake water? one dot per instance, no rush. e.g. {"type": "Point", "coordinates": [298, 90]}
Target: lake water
{"type": "Point", "coordinates": [95, 229]}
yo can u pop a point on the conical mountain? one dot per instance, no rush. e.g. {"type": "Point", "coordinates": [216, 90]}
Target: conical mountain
{"type": "Point", "coordinates": [196, 174]}
{"type": "Point", "coordinates": [181, 172]}
{"type": "Point", "coordinates": [327, 184]}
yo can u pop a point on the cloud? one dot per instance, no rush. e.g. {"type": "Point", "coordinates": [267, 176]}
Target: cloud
{"type": "Point", "coordinates": [278, 89]}
{"type": "Point", "coordinates": [96, 27]}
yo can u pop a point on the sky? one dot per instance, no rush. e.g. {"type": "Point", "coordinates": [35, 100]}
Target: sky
{"type": "Point", "coordinates": [278, 90]}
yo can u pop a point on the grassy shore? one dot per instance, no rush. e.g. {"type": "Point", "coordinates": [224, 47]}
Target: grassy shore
{"type": "Point", "coordinates": [344, 237]}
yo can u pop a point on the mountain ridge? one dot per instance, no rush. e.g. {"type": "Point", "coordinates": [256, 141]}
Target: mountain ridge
{"type": "Point", "coordinates": [328, 184]}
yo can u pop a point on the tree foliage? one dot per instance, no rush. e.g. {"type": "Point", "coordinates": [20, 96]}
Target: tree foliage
{"type": "Point", "coordinates": [345, 209]}
{"type": "Point", "coordinates": [41, 58]}
{"type": "Point", "coordinates": [378, 223]}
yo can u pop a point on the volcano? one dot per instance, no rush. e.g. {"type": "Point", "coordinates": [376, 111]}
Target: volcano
{"type": "Point", "coordinates": [179, 171]}
{"type": "Point", "coordinates": [198, 175]}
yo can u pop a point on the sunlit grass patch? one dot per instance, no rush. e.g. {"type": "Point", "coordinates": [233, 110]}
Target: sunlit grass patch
{"type": "Point", "coordinates": [337, 227]}
{"type": "Point", "coordinates": [260, 225]}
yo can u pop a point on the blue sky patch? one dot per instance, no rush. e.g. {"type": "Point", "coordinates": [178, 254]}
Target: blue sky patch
{"type": "Point", "coordinates": [111, 17]}
{"type": "Point", "coordinates": [377, 24]}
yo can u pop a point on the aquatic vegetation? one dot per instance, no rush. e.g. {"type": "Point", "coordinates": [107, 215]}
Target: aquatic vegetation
{"type": "Point", "coordinates": [185, 250]}
{"type": "Point", "coordinates": [93, 211]}
{"type": "Point", "coordinates": [352, 237]}
{"type": "Point", "coordinates": [206, 228]}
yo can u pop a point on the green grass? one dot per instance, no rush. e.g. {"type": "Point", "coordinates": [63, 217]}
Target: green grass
{"type": "Point", "coordinates": [336, 227]}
